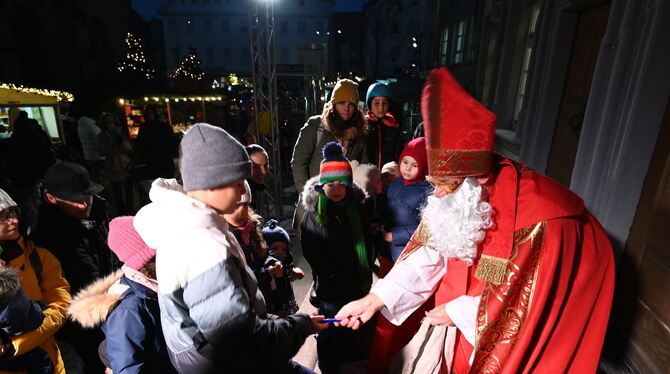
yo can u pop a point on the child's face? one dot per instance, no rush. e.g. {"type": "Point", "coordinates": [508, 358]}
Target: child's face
{"type": "Point", "coordinates": [279, 249]}
{"type": "Point", "coordinates": [336, 191]}
{"type": "Point", "coordinates": [224, 199]}
{"type": "Point", "coordinates": [380, 106]}
{"type": "Point", "coordinates": [409, 168]}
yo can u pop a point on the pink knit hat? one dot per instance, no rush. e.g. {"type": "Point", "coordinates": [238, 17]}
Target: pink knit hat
{"type": "Point", "coordinates": [127, 243]}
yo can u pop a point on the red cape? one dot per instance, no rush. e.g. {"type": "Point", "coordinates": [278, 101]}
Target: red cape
{"type": "Point", "coordinates": [550, 313]}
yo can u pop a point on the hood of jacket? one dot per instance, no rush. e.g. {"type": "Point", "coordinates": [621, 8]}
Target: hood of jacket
{"type": "Point", "coordinates": [310, 194]}
{"type": "Point", "coordinates": [91, 306]}
{"type": "Point", "coordinates": [156, 221]}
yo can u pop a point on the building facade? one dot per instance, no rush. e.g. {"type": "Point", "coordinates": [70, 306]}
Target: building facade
{"type": "Point", "coordinates": [392, 37]}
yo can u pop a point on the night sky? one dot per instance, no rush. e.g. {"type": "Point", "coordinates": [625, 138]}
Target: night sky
{"type": "Point", "coordinates": [147, 8]}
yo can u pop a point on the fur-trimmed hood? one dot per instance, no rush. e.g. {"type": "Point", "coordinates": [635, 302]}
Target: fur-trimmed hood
{"type": "Point", "coordinates": [10, 281]}
{"type": "Point", "coordinates": [91, 306]}
{"type": "Point", "coordinates": [310, 195]}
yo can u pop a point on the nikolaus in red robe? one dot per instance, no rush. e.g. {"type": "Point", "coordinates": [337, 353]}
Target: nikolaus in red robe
{"type": "Point", "coordinates": [545, 271]}
{"type": "Point", "coordinates": [549, 314]}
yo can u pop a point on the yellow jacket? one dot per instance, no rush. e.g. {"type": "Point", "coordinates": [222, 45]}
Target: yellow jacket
{"type": "Point", "coordinates": [54, 291]}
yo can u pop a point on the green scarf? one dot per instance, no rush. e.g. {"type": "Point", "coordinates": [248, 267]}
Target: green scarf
{"type": "Point", "coordinates": [356, 229]}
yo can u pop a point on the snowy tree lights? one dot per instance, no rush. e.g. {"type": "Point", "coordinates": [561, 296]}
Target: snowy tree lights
{"type": "Point", "coordinates": [189, 67]}
{"type": "Point", "coordinates": [134, 59]}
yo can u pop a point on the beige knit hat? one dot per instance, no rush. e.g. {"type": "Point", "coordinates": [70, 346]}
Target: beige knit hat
{"type": "Point", "coordinates": [391, 168]}
{"type": "Point", "coordinates": [345, 90]}
{"type": "Point", "coordinates": [6, 201]}
{"type": "Point", "coordinates": [364, 174]}
{"type": "Point", "coordinates": [246, 197]}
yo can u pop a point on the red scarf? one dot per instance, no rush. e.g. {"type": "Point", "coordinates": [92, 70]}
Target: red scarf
{"type": "Point", "coordinates": [387, 120]}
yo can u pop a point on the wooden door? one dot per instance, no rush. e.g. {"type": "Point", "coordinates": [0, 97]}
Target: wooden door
{"type": "Point", "coordinates": [642, 306]}
{"type": "Point", "coordinates": [586, 45]}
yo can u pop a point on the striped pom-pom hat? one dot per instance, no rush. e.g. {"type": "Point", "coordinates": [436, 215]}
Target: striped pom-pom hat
{"type": "Point", "coordinates": [334, 166]}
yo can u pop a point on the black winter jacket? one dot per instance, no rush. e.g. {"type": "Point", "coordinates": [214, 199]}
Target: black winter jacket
{"type": "Point", "coordinates": [330, 249]}
{"type": "Point", "coordinates": [79, 245]}
{"type": "Point", "coordinates": [382, 140]}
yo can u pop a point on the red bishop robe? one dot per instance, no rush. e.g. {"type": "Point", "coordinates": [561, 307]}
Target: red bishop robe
{"type": "Point", "coordinates": [550, 313]}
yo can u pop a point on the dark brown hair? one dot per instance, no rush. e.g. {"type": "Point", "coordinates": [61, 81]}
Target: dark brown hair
{"type": "Point", "coordinates": [257, 235]}
{"type": "Point", "coordinates": [149, 269]}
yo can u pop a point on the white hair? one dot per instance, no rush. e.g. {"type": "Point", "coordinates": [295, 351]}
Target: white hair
{"type": "Point", "coordinates": [458, 221]}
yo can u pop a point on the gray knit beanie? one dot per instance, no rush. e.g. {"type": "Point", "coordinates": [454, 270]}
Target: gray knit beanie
{"type": "Point", "coordinates": [212, 158]}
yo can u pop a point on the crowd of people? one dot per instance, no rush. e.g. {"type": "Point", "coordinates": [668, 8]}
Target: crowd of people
{"type": "Point", "coordinates": [434, 256]}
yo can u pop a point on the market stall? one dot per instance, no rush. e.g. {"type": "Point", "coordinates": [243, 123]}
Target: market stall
{"type": "Point", "coordinates": [179, 111]}
{"type": "Point", "coordinates": [42, 105]}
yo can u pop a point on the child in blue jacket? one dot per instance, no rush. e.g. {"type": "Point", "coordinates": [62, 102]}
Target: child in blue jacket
{"type": "Point", "coordinates": [125, 303]}
{"type": "Point", "coordinates": [406, 195]}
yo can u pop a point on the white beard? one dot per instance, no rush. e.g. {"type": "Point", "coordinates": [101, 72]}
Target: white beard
{"type": "Point", "coordinates": [458, 221]}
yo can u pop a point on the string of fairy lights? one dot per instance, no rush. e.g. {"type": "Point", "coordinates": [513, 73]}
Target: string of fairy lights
{"type": "Point", "coordinates": [172, 99]}
{"type": "Point", "coordinates": [59, 95]}
{"type": "Point", "coordinates": [189, 67]}
{"type": "Point", "coordinates": [134, 59]}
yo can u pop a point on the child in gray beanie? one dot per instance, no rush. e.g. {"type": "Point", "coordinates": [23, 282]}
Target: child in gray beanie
{"type": "Point", "coordinates": [212, 313]}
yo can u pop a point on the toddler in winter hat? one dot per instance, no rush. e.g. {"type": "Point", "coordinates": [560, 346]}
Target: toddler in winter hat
{"type": "Point", "coordinates": [127, 244]}
{"type": "Point", "coordinates": [212, 158]}
{"type": "Point", "coordinates": [272, 233]}
{"type": "Point", "coordinates": [367, 177]}
{"type": "Point", "coordinates": [334, 166]}
{"type": "Point", "coordinates": [389, 173]}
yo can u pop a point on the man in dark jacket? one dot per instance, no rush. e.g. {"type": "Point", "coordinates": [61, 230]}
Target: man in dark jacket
{"type": "Point", "coordinates": [65, 215]}
{"type": "Point", "coordinates": [157, 144]}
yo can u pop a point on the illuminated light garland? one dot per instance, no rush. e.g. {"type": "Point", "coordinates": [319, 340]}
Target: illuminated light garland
{"type": "Point", "coordinates": [135, 57]}
{"type": "Point", "coordinates": [123, 101]}
{"type": "Point", "coordinates": [59, 95]}
{"type": "Point", "coordinates": [189, 67]}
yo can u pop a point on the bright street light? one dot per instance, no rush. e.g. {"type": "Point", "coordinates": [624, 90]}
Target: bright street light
{"type": "Point", "coordinates": [339, 31]}
{"type": "Point", "coordinates": [318, 33]}
{"type": "Point", "coordinates": [415, 45]}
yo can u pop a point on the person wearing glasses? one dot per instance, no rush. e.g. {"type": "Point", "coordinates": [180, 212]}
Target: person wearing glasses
{"type": "Point", "coordinates": [29, 344]}
{"type": "Point", "coordinates": [521, 273]}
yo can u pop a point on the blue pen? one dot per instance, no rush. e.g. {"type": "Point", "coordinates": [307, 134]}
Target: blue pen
{"type": "Point", "coordinates": [329, 320]}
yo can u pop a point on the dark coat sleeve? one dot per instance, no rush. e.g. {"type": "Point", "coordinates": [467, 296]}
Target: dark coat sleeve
{"type": "Point", "coordinates": [20, 314]}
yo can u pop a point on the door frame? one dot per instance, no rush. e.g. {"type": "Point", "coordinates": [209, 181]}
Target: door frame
{"type": "Point", "coordinates": [626, 104]}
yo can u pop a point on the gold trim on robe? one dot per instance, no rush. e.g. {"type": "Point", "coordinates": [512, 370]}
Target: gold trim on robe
{"type": "Point", "coordinates": [510, 302]}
